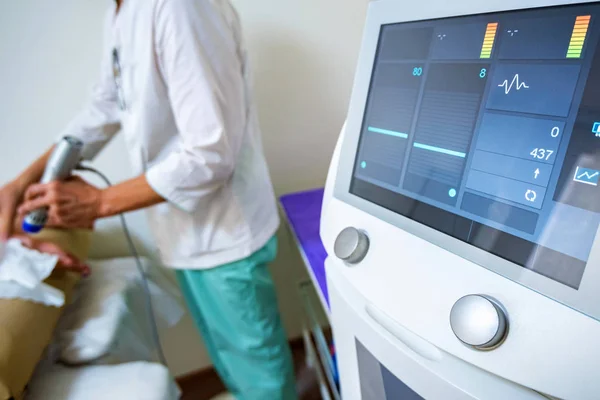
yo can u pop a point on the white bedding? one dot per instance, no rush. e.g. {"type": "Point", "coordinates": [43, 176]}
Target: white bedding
{"type": "Point", "coordinates": [132, 381]}
{"type": "Point", "coordinates": [108, 323]}
{"type": "Point", "coordinates": [104, 335]}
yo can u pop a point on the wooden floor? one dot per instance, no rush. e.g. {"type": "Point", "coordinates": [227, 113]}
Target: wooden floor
{"type": "Point", "coordinates": [206, 384]}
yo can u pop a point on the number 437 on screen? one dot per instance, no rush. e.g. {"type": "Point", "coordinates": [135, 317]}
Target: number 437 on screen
{"type": "Point", "coordinates": [541, 154]}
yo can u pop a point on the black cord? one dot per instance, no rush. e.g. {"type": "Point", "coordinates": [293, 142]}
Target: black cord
{"type": "Point", "coordinates": [138, 262]}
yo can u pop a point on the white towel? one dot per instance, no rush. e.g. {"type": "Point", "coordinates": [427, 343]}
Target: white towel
{"type": "Point", "coordinates": [139, 380]}
{"type": "Point", "coordinates": [22, 273]}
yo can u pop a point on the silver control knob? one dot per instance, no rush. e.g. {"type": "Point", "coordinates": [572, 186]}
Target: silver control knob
{"type": "Point", "coordinates": [351, 245]}
{"type": "Point", "coordinates": [479, 322]}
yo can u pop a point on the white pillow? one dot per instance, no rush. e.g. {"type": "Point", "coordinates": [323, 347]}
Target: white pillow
{"type": "Point", "coordinates": [139, 380]}
{"type": "Point", "coordinates": [107, 322]}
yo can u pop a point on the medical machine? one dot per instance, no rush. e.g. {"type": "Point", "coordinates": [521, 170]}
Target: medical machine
{"type": "Point", "coordinates": [463, 203]}
{"type": "Point", "coordinates": [63, 160]}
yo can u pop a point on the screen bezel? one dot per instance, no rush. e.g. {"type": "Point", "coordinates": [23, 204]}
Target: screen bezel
{"type": "Point", "coordinates": [383, 12]}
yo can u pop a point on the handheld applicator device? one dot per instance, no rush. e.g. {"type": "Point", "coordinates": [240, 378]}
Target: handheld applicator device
{"type": "Point", "coordinates": [62, 161]}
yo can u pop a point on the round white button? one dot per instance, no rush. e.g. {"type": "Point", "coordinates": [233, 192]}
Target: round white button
{"type": "Point", "coordinates": [479, 322]}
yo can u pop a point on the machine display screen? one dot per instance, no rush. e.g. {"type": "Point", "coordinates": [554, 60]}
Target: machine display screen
{"type": "Point", "coordinates": [487, 128]}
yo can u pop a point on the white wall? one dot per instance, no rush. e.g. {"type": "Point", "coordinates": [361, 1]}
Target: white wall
{"type": "Point", "coordinates": [304, 52]}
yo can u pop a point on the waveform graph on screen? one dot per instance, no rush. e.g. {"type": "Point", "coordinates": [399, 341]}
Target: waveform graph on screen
{"type": "Point", "coordinates": [534, 88]}
{"type": "Point", "coordinates": [578, 36]}
{"type": "Point", "coordinates": [515, 84]}
{"type": "Point", "coordinates": [488, 40]}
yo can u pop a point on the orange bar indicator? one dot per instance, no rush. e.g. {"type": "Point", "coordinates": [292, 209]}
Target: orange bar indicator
{"type": "Point", "coordinates": [577, 42]}
{"type": "Point", "coordinates": [488, 40]}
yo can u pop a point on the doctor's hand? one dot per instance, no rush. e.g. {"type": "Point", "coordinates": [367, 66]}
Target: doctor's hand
{"type": "Point", "coordinates": [72, 203]}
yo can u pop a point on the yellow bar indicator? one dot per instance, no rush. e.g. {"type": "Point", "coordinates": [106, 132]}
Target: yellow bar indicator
{"type": "Point", "coordinates": [577, 42]}
{"type": "Point", "coordinates": [488, 40]}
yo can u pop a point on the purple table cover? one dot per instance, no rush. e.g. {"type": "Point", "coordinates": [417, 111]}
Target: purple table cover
{"type": "Point", "coordinates": [303, 211]}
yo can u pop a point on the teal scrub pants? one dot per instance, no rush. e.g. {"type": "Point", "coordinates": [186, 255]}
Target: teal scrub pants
{"type": "Point", "coordinates": [235, 309]}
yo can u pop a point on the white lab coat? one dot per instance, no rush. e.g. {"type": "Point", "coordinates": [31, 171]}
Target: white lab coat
{"type": "Point", "coordinates": [190, 125]}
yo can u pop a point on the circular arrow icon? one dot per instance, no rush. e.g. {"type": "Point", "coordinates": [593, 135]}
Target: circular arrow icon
{"type": "Point", "coordinates": [530, 195]}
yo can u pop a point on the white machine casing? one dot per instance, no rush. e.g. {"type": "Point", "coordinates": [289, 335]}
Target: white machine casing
{"type": "Point", "coordinates": [397, 301]}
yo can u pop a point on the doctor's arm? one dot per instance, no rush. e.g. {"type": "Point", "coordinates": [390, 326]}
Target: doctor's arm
{"type": "Point", "coordinates": [187, 37]}
{"type": "Point", "coordinates": [74, 203]}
